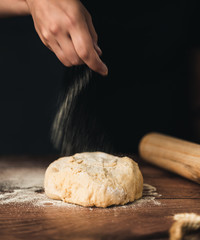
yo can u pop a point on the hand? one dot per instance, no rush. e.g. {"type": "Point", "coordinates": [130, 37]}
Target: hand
{"type": "Point", "coordinates": [66, 27]}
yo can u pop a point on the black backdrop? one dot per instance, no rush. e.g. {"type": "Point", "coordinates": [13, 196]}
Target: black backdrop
{"type": "Point", "coordinates": [29, 80]}
{"type": "Point", "coordinates": [160, 36]}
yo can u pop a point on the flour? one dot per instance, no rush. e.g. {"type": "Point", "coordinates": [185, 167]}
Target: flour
{"type": "Point", "coordinates": [148, 198]}
{"type": "Point", "coordinates": [63, 132]}
{"type": "Point", "coordinates": [24, 185]}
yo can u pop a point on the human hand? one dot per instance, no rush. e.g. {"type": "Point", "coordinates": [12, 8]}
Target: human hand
{"type": "Point", "coordinates": [66, 27]}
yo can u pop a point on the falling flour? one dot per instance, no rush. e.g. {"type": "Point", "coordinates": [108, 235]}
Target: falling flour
{"type": "Point", "coordinates": [24, 185]}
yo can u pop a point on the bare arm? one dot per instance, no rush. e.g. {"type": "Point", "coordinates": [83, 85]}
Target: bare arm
{"type": "Point", "coordinates": [13, 8]}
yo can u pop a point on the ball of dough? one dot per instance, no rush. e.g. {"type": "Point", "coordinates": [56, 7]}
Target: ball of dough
{"type": "Point", "coordinates": [94, 179]}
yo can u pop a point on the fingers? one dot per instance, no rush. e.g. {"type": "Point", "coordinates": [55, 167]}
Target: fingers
{"type": "Point", "coordinates": [56, 48]}
{"type": "Point", "coordinates": [68, 53]}
{"type": "Point", "coordinates": [92, 32]}
{"type": "Point", "coordinates": [84, 46]}
{"type": "Point", "coordinates": [52, 43]}
{"type": "Point", "coordinates": [66, 28]}
{"type": "Point", "coordinates": [77, 49]}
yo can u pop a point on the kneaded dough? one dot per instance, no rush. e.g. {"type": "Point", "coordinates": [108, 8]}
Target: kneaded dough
{"type": "Point", "coordinates": [94, 179]}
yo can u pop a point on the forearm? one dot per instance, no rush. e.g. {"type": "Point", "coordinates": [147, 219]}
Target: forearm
{"type": "Point", "coordinates": [13, 8]}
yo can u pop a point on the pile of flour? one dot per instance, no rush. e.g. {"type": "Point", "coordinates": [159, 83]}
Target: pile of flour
{"type": "Point", "coordinates": [24, 185]}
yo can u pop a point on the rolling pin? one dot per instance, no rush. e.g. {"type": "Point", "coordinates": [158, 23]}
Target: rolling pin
{"type": "Point", "coordinates": [173, 154]}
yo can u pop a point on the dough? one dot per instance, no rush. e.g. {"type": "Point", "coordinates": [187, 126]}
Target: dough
{"type": "Point", "coordinates": [94, 179]}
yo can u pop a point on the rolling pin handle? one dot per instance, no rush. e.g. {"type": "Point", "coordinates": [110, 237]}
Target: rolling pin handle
{"type": "Point", "coordinates": [173, 154]}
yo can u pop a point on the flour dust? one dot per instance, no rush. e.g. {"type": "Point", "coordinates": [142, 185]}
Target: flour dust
{"type": "Point", "coordinates": [24, 185]}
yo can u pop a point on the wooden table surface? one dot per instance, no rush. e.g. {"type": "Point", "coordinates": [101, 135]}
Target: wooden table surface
{"type": "Point", "coordinates": [148, 218]}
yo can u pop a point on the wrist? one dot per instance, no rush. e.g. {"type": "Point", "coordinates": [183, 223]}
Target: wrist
{"type": "Point", "coordinates": [23, 8]}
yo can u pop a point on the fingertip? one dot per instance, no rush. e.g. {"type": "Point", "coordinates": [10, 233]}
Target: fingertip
{"type": "Point", "coordinates": [104, 70]}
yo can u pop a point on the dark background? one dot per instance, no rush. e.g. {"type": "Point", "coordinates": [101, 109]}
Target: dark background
{"type": "Point", "coordinates": [30, 76]}
{"type": "Point", "coordinates": [151, 49]}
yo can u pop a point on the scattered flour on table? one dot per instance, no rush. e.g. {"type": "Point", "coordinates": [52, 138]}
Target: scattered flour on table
{"type": "Point", "coordinates": [22, 185]}
{"type": "Point", "coordinates": [149, 197]}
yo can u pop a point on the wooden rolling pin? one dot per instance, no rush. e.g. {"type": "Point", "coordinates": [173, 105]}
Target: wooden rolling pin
{"type": "Point", "coordinates": [176, 155]}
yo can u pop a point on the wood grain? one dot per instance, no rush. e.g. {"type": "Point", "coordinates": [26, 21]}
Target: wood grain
{"type": "Point", "coordinates": [149, 221]}
{"type": "Point", "coordinates": [176, 155]}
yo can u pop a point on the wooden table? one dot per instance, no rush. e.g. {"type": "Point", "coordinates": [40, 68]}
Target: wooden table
{"type": "Point", "coordinates": [148, 219]}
